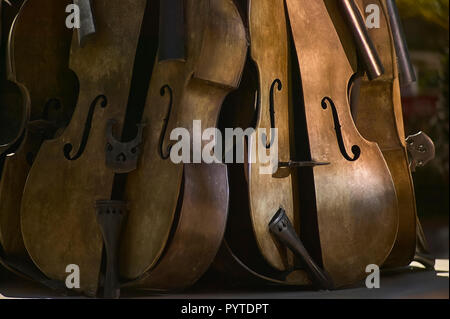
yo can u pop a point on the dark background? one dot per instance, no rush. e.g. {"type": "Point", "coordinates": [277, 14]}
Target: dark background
{"type": "Point", "coordinates": [426, 108]}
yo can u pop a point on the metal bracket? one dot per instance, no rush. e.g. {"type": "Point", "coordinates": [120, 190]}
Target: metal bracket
{"type": "Point", "coordinates": [122, 157]}
{"type": "Point", "coordinates": [421, 150]}
{"type": "Point", "coordinates": [110, 217]}
{"type": "Point", "coordinates": [281, 227]}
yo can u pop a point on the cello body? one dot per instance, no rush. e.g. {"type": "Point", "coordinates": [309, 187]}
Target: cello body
{"type": "Point", "coordinates": [69, 174]}
{"type": "Point", "coordinates": [263, 101]}
{"type": "Point", "coordinates": [38, 59]}
{"type": "Point", "coordinates": [385, 126]}
{"type": "Point", "coordinates": [268, 192]}
{"type": "Point", "coordinates": [356, 204]}
{"type": "Point", "coordinates": [175, 204]}
{"type": "Point", "coordinates": [63, 168]}
{"type": "Point", "coordinates": [13, 103]}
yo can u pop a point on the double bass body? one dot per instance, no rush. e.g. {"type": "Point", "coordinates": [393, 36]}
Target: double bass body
{"type": "Point", "coordinates": [385, 126]}
{"type": "Point", "coordinates": [38, 65]}
{"type": "Point", "coordinates": [69, 173]}
{"type": "Point", "coordinates": [357, 214]}
{"type": "Point", "coordinates": [184, 203]}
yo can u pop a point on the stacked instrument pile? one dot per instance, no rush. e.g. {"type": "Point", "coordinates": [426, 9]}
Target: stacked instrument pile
{"type": "Point", "coordinates": [145, 142]}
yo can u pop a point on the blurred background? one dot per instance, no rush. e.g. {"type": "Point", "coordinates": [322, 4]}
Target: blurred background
{"type": "Point", "coordinates": [426, 108]}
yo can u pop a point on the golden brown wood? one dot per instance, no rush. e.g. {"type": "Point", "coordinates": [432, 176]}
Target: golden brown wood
{"type": "Point", "coordinates": [249, 252]}
{"type": "Point", "coordinates": [38, 59]}
{"type": "Point", "coordinates": [198, 231]}
{"type": "Point", "coordinates": [215, 55]}
{"type": "Point", "coordinates": [267, 193]}
{"type": "Point", "coordinates": [379, 118]}
{"type": "Point", "coordinates": [356, 203]}
{"type": "Point", "coordinates": [58, 206]}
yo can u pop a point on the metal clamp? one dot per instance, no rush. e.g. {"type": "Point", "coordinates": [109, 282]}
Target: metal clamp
{"type": "Point", "coordinates": [421, 150]}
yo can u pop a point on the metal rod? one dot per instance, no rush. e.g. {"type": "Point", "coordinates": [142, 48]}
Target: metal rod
{"type": "Point", "coordinates": [294, 164]}
{"type": "Point", "coordinates": [406, 69]}
{"type": "Point", "coordinates": [366, 48]}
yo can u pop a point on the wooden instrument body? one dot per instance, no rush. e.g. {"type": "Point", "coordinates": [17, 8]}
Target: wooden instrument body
{"type": "Point", "coordinates": [13, 100]}
{"type": "Point", "coordinates": [38, 59]}
{"type": "Point", "coordinates": [58, 207]}
{"type": "Point", "coordinates": [356, 203]}
{"type": "Point", "coordinates": [269, 192]}
{"type": "Point", "coordinates": [249, 253]}
{"type": "Point", "coordinates": [155, 253]}
{"type": "Point", "coordinates": [385, 126]}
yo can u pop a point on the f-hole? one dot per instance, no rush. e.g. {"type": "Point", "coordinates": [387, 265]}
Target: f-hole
{"type": "Point", "coordinates": [102, 100]}
{"type": "Point", "coordinates": [165, 153]}
{"type": "Point", "coordinates": [279, 87]}
{"type": "Point", "coordinates": [356, 150]}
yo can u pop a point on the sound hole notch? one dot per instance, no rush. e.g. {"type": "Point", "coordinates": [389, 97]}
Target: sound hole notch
{"type": "Point", "coordinates": [279, 86]}
{"type": "Point", "coordinates": [99, 100]}
{"type": "Point", "coordinates": [356, 150]}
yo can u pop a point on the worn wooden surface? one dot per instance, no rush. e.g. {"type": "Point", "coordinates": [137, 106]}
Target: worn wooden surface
{"type": "Point", "coordinates": [58, 206]}
{"type": "Point", "coordinates": [13, 103]}
{"type": "Point", "coordinates": [269, 192]}
{"type": "Point", "coordinates": [216, 48]}
{"type": "Point", "coordinates": [39, 60]}
{"type": "Point", "coordinates": [379, 118]}
{"type": "Point", "coordinates": [356, 202]}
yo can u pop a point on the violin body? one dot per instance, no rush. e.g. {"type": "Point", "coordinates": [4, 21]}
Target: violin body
{"type": "Point", "coordinates": [356, 204]}
{"type": "Point", "coordinates": [175, 204]}
{"type": "Point", "coordinates": [385, 126]}
{"type": "Point", "coordinates": [69, 174]}
{"type": "Point", "coordinates": [38, 59]}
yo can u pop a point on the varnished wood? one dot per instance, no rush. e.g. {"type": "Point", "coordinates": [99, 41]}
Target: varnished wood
{"type": "Point", "coordinates": [380, 118]}
{"type": "Point", "coordinates": [13, 101]}
{"type": "Point", "coordinates": [197, 233]}
{"type": "Point", "coordinates": [58, 206]}
{"type": "Point", "coordinates": [356, 202]}
{"type": "Point", "coordinates": [267, 192]}
{"type": "Point", "coordinates": [249, 252]}
{"type": "Point", "coordinates": [159, 250]}
{"type": "Point", "coordinates": [38, 59]}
